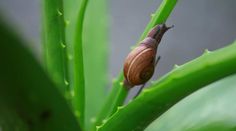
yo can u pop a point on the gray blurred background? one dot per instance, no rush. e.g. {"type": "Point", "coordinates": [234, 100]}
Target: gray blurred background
{"type": "Point", "coordinates": [199, 25]}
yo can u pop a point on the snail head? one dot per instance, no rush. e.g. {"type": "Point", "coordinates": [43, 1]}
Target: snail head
{"type": "Point", "coordinates": [158, 31]}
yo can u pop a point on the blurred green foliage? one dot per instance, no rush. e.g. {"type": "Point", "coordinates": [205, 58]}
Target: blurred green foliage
{"type": "Point", "coordinates": [29, 100]}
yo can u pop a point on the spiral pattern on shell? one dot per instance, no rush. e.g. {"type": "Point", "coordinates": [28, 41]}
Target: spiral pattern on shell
{"type": "Point", "coordinates": [140, 64]}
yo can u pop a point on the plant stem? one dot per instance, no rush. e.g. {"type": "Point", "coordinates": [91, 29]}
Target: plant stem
{"type": "Point", "coordinates": [79, 84]}
{"type": "Point", "coordinates": [119, 92]}
{"type": "Point", "coordinates": [54, 46]}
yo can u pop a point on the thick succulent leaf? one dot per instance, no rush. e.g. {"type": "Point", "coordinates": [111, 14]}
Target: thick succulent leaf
{"type": "Point", "coordinates": [96, 56]}
{"type": "Point", "coordinates": [95, 45]}
{"type": "Point", "coordinates": [9, 120]}
{"type": "Point", "coordinates": [173, 87]}
{"type": "Point", "coordinates": [54, 46]}
{"type": "Point", "coordinates": [209, 109]}
{"type": "Point", "coordinates": [28, 99]}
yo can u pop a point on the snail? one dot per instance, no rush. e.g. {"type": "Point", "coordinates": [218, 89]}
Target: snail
{"type": "Point", "coordinates": [140, 63]}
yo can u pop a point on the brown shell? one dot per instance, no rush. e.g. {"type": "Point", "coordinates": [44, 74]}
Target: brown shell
{"type": "Point", "coordinates": [140, 63]}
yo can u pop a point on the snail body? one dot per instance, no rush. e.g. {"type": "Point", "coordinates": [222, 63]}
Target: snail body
{"type": "Point", "coordinates": [140, 63]}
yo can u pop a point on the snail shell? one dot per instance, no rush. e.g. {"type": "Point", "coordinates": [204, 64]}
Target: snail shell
{"type": "Point", "coordinates": [139, 65]}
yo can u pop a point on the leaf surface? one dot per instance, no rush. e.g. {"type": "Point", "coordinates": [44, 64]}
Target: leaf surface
{"type": "Point", "coordinates": [209, 109]}
{"type": "Point", "coordinates": [29, 98]}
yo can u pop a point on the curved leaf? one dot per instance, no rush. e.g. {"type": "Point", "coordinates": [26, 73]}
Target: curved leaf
{"type": "Point", "coordinates": [29, 99]}
{"type": "Point", "coordinates": [95, 49]}
{"type": "Point", "coordinates": [78, 100]}
{"type": "Point", "coordinates": [210, 109]}
{"type": "Point", "coordinates": [170, 89]}
{"type": "Point", "coordinates": [54, 46]}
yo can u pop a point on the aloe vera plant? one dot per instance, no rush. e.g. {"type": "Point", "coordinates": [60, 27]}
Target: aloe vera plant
{"type": "Point", "coordinates": [68, 92]}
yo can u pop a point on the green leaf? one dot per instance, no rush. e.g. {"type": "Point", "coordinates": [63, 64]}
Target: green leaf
{"type": "Point", "coordinates": [210, 109]}
{"type": "Point", "coordinates": [74, 19]}
{"type": "Point", "coordinates": [9, 119]}
{"type": "Point", "coordinates": [170, 89]}
{"type": "Point", "coordinates": [96, 57]}
{"type": "Point", "coordinates": [70, 11]}
{"type": "Point", "coordinates": [78, 100]}
{"type": "Point", "coordinates": [95, 49]}
{"type": "Point", "coordinates": [29, 98]}
{"type": "Point", "coordinates": [114, 100]}
{"type": "Point", "coordinates": [160, 16]}
{"type": "Point", "coordinates": [119, 92]}
{"type": "Point", "coordinates": [54, 45]}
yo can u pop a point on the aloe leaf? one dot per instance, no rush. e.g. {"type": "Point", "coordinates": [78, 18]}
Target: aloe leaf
{"type": "Point", "coordinates": [170, 89]}
{"type": "Point", "coordinates": [29, 99]}
{"type": "Point", "coordinates": [79, 83]}
{"type": "Point", "coordinates": [160, 16]}
{"type": "Point", "coordinates": [70, 12]}
{"type": "Point", "coordinates": [115, 99]}
{"type": "Point", "coordinates": [96, 58]}
{"type": "Point", "coordinates": [119, 92]}
{"type": "Point", "coordinates": [54, 45]}
{"type": "Point", "coordinates": [210, 109]}
{"type": "Point", "coordinates": [9, 119]}
{"type": "Point", "coordinates": [95, 49]}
